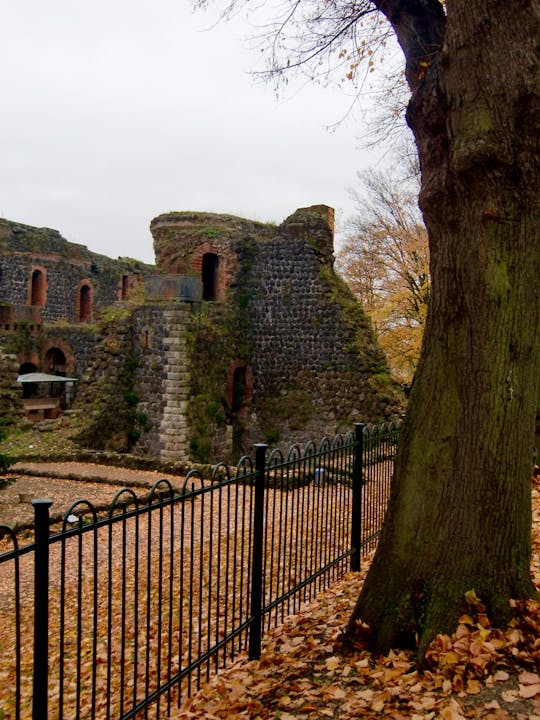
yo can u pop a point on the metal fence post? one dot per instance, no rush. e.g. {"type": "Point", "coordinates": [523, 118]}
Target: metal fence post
{"type": "Point", "coordinates": [255, 627]}
{"type": "Point", "coordinates": [41, 609]}
{"type": "Point", "coordinates": [356, 519]}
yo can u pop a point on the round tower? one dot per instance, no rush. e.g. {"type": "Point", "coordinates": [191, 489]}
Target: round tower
{"type": "Point", "coordinates": [203, 245]}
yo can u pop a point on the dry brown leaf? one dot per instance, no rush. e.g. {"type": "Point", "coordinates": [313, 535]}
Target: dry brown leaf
{"type": "Point", "coordinates": [509, 696]}
{"type": "Point", "coordinates": [473, 687]}
{"type": "Point", "coordinates": [529, 691]}
{"type": "Point", "coordinates": [332, 663]}
{"type": "Point", "coordinates": [366, 695]}
{"type": "Point", "coordinates": [378, 705]}
{"type": "Point", "coordinates": [452, 711]}
{"type": "Point", "coordinates": [529, 678]}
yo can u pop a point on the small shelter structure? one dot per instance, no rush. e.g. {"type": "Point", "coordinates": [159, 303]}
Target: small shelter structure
{"type": "Point", "coordinates": [46, 396]}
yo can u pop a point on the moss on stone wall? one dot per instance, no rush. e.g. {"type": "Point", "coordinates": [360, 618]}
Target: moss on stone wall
{"type": "Point", "coordinates": [11, 404]}
{"type": "Point", "coordinates": [23, 341]}
{"type": "Point", "coordinates": [211, 352]}
{"type": "Point", "coordinates": [108, 398]}
{"type": "Point", "coordinates": [20, 238]}
{"type": "Point", "coordinates": [27, 238]}
{"type": "Point", "coordinates": [315, 225]}
{"type": "Point", "coordinates": [221, 335]}
{"type": "Point", "coordinates": [177, 234]}
{"type": "Point", "coordinates": [364, 345]}
{"type": "Point", "coordinates": [290, 410]}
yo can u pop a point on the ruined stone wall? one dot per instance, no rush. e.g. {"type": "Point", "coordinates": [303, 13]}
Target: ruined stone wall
{"type": "Point", "coordinates": [149, 330]}
{"type": "Point", "coordinates": [65, 268]}
{"type": "Point", "coordinates": [280, 352]}
{"type": "Point", "coordinates": [133, 397]}
{"type": "Point", "coordinates": [107, 397]}
{"type": "Point", "coordinates": [162, 378]}
{"type": "Point", "coordinates": [11, 405]}
{"type": "Point", "coordinates": [306, 343]}
{"type": "Point", "coordinates": [77, 342]}
{"type": "Point", "coordinates": [173, 430]}
{"type": "Point", "coordinates": [63, 282]}
{"type": "Point", "coordinates": [316, 363]}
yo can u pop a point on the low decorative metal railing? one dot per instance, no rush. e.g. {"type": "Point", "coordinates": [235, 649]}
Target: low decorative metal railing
{"type": "Point", "coordinates": [122, 614]}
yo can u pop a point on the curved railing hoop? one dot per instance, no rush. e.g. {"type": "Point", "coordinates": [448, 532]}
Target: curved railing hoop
{"type": "Point", "coordinates": [220, 472]}
{"type": "Point", "coordinates": [310, 448]}
{"type": "Point", "coordinates": [275, 457]}
{"type": "Point", "coordinates": [193, 474]}
{"type": "Point", "coordinates": [116, 503]}
{"type": "Point", "coordinates": [244, 463]}
{"type": "Point", "coordinates": [349, 437]}
{"type": "Point", "coordinates": [294, 452]}
{"type": "Point", "coordinates": [325, 444]}
{"type": "Point", "coordinates": [71, 511]}
{"type": "Point", "coordinates": [157, 488]}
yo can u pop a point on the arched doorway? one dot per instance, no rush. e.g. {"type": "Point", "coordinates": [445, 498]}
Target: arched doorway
{"type": "Point", "coordinates": [210, 264]}
{"type": "Point", "coordinates": [27, 367]}
{"type": "Point", "coordinates": [37, 290]}
{"type": "Point", "coordinates": [239, 387]}
{"type": "Point", "coordinates": [29, 390]}
{"type": "Point", "coordinates": [55, 362]}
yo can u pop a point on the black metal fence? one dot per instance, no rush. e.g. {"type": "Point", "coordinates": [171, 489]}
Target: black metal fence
{"type": "Point", "coordinates": [123, 614]}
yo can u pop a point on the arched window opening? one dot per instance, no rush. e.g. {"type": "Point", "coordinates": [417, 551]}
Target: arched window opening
{"type": "Point", "coordinates": [85, 303]}
{"type": "Point", "coordinates": [125, 287]}
{"type": "Point", "coordinates": [210, 262]}
{"type": "Point", "coordinates": [37, 292]}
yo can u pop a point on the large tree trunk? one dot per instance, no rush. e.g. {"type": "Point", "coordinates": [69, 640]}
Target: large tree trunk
{"type": "Point", "coordinates": [460, 509]}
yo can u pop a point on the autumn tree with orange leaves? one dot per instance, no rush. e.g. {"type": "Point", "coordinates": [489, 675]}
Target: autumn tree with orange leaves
{"type": "Point", "coordinates": [385, 261]}
{"type": "Point", "coordinates": [459, 516]}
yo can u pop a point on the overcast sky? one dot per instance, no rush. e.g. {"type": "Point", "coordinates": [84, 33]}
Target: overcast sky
{"type": "Point", "coordinates": [114, 111]}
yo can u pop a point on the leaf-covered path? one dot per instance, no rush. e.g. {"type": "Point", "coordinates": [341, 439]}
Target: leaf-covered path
{"type": "Point", "coordinates": [480, 672]}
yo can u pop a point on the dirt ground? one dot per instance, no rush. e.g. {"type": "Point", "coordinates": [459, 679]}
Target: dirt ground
{"type": "Point", "coordinates": [65, 484]}
{"type": "Point", "coordinates": [301, 675]}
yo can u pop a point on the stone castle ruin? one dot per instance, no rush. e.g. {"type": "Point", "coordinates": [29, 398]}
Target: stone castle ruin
{"type": "Point", "coordinates": [242, 332]}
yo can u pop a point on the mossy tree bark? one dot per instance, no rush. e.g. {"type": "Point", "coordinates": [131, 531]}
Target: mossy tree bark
{"type": "Point", "coordinates": [460, 509]}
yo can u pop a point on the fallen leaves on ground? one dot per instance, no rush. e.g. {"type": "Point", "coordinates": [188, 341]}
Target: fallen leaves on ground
{"type": "Point", "coordinates": [478, 672]}
{"type": "Point", "coordinates": [121, 583]}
